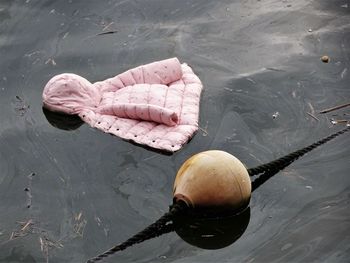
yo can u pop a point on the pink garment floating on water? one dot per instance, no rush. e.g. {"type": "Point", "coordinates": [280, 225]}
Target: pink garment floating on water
{"type": "Point", "coordinates": [155, 104]}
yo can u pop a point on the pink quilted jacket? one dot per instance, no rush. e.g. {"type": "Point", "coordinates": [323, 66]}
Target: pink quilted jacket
{"type": "Point", "coordinates": [155, 104]}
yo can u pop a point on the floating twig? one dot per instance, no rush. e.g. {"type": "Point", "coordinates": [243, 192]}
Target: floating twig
{"type": "Point", "coordinates": [46, 244]}
{"type": "Point", "coordinates": [28, 227]}
{"type": "Point", "coordinates": [41, 244]}
{"type": "Point", "coordinates": [28, 190]}
{"type": "Point", "coordinates": [204, 130]}
{"type": "Point", "coordinates": [107, 32]}
{"type": "Point", "coordinates": [311, 108]}
{"type": "Point", "coordinates": [335, 108]}
{"type": "Point", "coordinates": [79, 226]}
{"type": "Point", "coordinates": [313, 116]}
{"type": "Point", "coordinates": [276, 69]}
{"type": "Point", "coordinates": [30, 221]}
{"type": "Point", "coordinates": [107, 26]}
{"type": "Point", "coordinates": [52, 61]}
{"type": "Point", "coordinates": [77, 218]}
{"type": "Point", "coordinates": [205, 133]}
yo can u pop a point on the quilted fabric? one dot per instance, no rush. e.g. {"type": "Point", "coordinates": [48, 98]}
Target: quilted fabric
{"type": "Point", "coordinates": [155, 104]}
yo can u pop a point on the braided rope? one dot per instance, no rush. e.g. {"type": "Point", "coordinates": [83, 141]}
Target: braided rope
{"type": "Point", "coordinates": [286, 160]}
{"type": "Point", "coordinates": [160, 227]}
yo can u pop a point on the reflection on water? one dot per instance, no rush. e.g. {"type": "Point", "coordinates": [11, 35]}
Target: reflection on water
{"type": "Point", "coordinates": [63, 121]}
{"type": "Point", "coordinates": [212, 233]}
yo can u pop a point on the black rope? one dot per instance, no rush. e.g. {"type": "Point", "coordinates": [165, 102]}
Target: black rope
{"type": "Point", "coordinates": [286, 160]}
{"type": "Point", "coordinates": [163, 225]}
{"type": "Point", "coordinates": [160, 227]}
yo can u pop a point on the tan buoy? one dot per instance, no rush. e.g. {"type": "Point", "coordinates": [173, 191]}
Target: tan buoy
{"type": "Point", "coordinates": [215, 180]}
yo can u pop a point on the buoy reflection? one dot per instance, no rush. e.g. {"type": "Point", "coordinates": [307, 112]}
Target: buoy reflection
{"type": "Point", "coordinates": [212, 232]}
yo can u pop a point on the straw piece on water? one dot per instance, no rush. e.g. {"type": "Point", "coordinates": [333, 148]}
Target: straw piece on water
{"type": "Point", "coordinates": [335, 108]}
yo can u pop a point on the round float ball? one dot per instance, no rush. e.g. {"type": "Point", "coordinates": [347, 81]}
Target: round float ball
{"type": "Point", "coordinates": [325, 59]}
{"type": "Point", "coordinates": [214, 180]}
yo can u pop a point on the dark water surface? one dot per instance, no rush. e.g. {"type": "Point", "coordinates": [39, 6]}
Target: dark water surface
{"type": "Point", "coordinates": [257, 59]}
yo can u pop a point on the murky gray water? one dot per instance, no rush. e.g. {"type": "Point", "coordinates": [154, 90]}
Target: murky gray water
{"type": "Point", "coordinates": [257, 60]}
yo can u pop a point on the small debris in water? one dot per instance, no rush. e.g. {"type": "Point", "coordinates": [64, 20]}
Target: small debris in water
{"type": "Point", "coordinates": [26, 228]}
{"type": "Point", "coordinates": [106, 230]}
{"type": "Point", "coordinates": [335, 108]}
{"type": "Point", "coordinates": [325, 59]}
{"type": "Point", "coordinates": [107, 26]}
{"type": "Point", "coordinates": [310, 30]}
{"type": "Point", "coordinates": [343, 73]}
{"type": "Point", "coordinates": [28, 190]}
{"type": "Point", "coordinates": [286, 246]}
{"type": "Point", "coordinates": [334, 122]}
{"type": "Point", "coordinates": [52, 61]}
{"type": "Point", "coordinates": [204, 130]}
{"type": "Point", "coordinates": [20, 106]}
{"type": "Point", "coordinates": [275, 115]}
{"type": "Point", "coordinates": [41, 244]}
{"type": "Point", "coordinates": [107, 33]}
{"type": "Point", "coordinates": [308, 187]}
{"type": "Point", "coordinates": [98, 220]}
{"type": "Point", "coordinates": [80, 223]}
{"type": "Point", "coordinates": [65, 35]}
{"type": "Point", "coordinates": [312, 116]}
{"type": "Point", "coordinates": [326, 207]}
{"type": "Point", "coordinates": [276, 69]}
{"type": "Point", "coordinates": [78, 216]}
{"type": "Point", "coordinates": [311, 108]}
{"type": "Point", "coordinates": [30, 222]}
